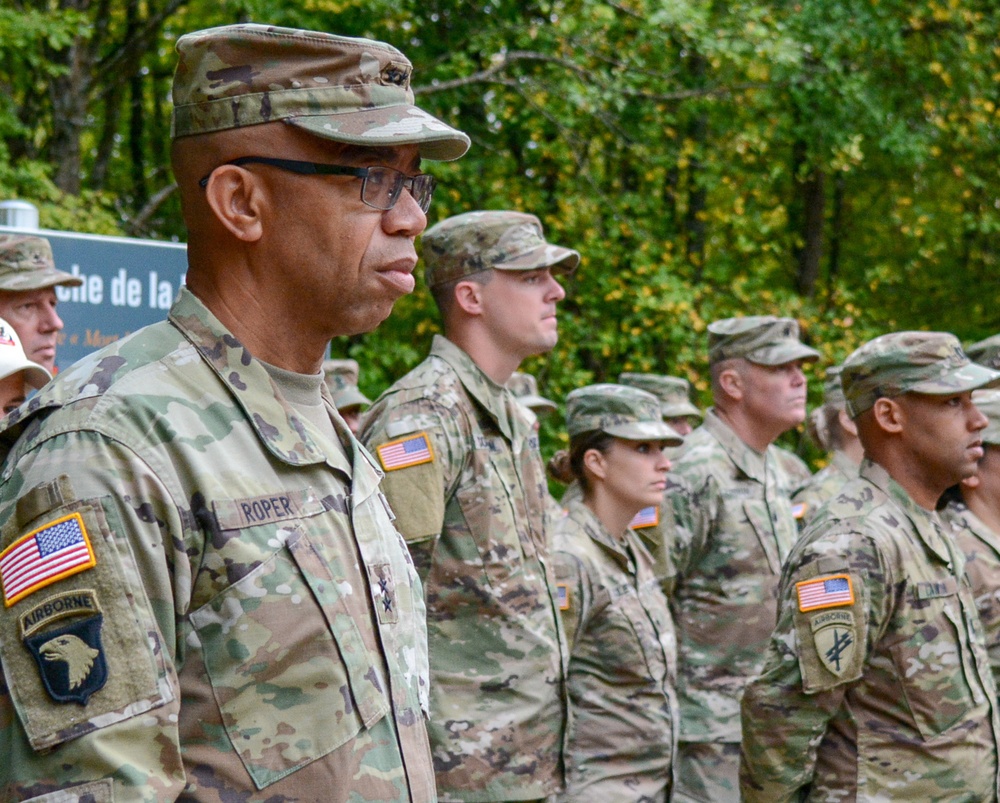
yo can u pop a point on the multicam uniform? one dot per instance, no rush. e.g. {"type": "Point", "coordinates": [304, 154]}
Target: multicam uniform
{"type": "Point", "coordinates": [623, 709]}
{"type": "Point", "coordinates": [981, 547]}
{"type": "Point", "coordinates": [466, 480]}
{"type": "Point", "coordinates": [735, 528]}
{"type": "Point", "coordinates": [822, 486]}
{"type": "Point", "coordinates": [877, 684]}
{"type": "Point", "coordinates": [233, 610]}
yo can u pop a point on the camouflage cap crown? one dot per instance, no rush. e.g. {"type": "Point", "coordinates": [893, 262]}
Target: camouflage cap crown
{"type": "Point", "coordinates": [986, 352]}
{"type": "Point", "coordinates": [525, 388]}
{"type": "Point", "coordinates": [341, 377]}
{"type": "Point", "coordinates": [674, 393]}
{"type": "Point", "coordinates": [620, 411]}
{"type": "Point", "coordinates": [988, 401]}
{"type": "Point", "coordinates": [910, 362]}
{"type": "Point", "coordinates": [26, 263]}
{"type": "Point", "coordinates": [465, 244]}
{"type": "Point", "coordinates": [761, 339]}
{"type": "Point", "coordinates": [335, 87]}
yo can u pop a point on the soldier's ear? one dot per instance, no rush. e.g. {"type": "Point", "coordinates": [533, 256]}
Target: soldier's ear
{"type": "Point", "coordinates": [888, 414]}
{"type": "Point", "coordinates": [469, 297]}
{"type": "Point", "coordinates": [595, 463]}
{"type": "Point", "coordinates": [731, 383]}
{"type": "Point", "coordinates": [237, 200]}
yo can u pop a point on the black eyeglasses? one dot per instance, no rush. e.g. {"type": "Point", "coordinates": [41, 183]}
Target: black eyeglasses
{"type": "Point", "coordinates": [380, 186]}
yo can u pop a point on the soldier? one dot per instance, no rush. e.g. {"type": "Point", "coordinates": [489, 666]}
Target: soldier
{"type": "Point", "coordinates": [623, 652]}
{"type": "Point", "coordinates": [877, 684]}
{"type": "Point", "coordinates": [17, 373]}
{"type": "Point", "coordinates": [986, 352]}
{"type": "Point", "coordinates": [730, 494]}
{"type": "Point", "coordinates": [466, 481]}
{"type": "Point", "coordinates": [833, 431]}
{"type": "Point", "coordinates": [28, 282]}
{"type": "Point", "coordinates": [972, 509]}
{"type": "Point", "coordinates": [674, 393]}
{"type": "Point", "coordinates": [525, 389]}
{"type": "Point", "coordinates": [342, 381]}
{"type": "Point", "coordinates": [205, 598]}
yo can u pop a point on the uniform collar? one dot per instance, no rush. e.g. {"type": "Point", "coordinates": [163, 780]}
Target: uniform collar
{"type": "Point", "coordinates": [495, 399]}
{"type": "Point", "coordinates": [747, 459]}
{"type": "Point", "coordinates": [963, 517]}
{"type": "Point", "coordinates": [287, 435]}
{"type": "Point", "coordinates": [587, 520]}
{"type": "Point", "coordinates": [926, 522]}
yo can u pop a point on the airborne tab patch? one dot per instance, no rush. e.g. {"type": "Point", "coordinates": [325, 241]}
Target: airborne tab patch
{"type": "Point", "coordinates": [406, 452]}
{"type": "Point", "coordinates": [829, 591]}
{"type": "Point", "coordinates": [54, 551]}
{"type": "Point", "coordinates": [647, 517]}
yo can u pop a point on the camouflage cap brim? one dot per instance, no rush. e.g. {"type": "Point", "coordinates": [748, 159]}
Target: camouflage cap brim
{"type": "Point", "coordinates": [645, 431]}
{"type": "Point", "coordinates": [38, 279]}
{"type": "Point", "coordinates": [389, 126]}
{"type": "Point", "coordinates": [782, 353]}
{"type": "Point", "coordinates": [538, 403]}
{"type": "Point", "coordinates": [350, 397]}
{"type": "Point", "coordinates": [969, 377]}
{"type": "Point", "coordinates": [680, 410]}
{"type": "Point", "coordinates": [544, 256]}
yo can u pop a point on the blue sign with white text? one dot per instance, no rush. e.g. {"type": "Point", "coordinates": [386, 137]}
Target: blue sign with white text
{"type": "Point", "coordinates": [127, 284]}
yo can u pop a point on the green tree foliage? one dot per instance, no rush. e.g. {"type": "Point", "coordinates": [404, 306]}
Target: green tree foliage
{"type": "Point", "coordinates": [832, 160]}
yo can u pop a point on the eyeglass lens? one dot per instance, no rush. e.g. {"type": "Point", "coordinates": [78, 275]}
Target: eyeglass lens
{"type": "Point", "coordinates": [383, 185]}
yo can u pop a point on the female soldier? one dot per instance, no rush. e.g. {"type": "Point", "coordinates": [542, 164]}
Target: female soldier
{"type": "Point", "coordinates": [623, 711]}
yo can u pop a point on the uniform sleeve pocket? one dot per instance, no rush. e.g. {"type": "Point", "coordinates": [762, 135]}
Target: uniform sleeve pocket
{"type": "Point", "coordinates": [289, 669]}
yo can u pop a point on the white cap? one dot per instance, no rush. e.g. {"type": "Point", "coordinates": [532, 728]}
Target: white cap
{"type": "Point", "coordinates": [12, 358]}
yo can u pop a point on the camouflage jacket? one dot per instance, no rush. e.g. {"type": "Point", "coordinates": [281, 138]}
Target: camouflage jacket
{"type": "Point", "coordinates": [811, 495]}
{"type": "Point", "coordinates": [242, 619]}
{"type": "Point", "coordinates": [465, 478]}
{"type": "Point", "coordinates": [981, 547]}
{"type": "Point", "coordinates": [623, 653]}
{"type": "Point", "coordinates": [656, 529]}
{"type": "Point", "coordinates": [877, 684]}
{"type": "Point", "coordinates": [734, 528]}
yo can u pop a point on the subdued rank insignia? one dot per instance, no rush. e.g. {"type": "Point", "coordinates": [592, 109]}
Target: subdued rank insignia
{"type": "Point", "coordinates": [71, 659]}
{"type": "Point", "coordinates": [562, 593]}
{"type": "Point", "coordinates": [384, 590]}
{"type": "Point", "coordinates": [835, 640]}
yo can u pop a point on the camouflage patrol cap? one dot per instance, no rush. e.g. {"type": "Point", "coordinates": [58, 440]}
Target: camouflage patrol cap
{"type": "Point", "coordinates": [761, 339]}
{"type": "Point", "coordinates": [26, 264]}
{"type": "Point", "coordinates": [525, 388]}
{"type": "Point", "coordinates": [13, 359]}
{"type": "Point", "coordinates": [335, 87]}
{"type": "Point", "coordinates": [341, 377]}
{"type": "Point", "coordinates": [465, 244]}
{"type": "Point", "coordinates": [674, 393]}
{"type": "Point", "coordinates": [988, 402]}
{"type": "Point", "coordinates": [910, 362]}
{"type": "Point", "coordinates": [986, 352]}
{"type": "Point", "coordinates": [620, 411]}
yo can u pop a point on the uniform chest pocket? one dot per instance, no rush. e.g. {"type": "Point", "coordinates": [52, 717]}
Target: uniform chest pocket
{"type": "Point", "coordinates": [933, 666]}
{"type": "Point", "coordinates": [631, 652]}
{"type": "Point", "coordinates": [289, 669]}
{"type": "Point", "coordinates": [489, 514]}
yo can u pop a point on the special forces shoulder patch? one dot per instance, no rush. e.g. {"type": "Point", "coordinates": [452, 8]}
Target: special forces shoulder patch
{"type": "Point", "coordinates": [70, 657]}
{"type": "Point", "coordinates": [647, 517]}
{"type": "Point", "coordinates": [412, 450]}
{"type": "Point", "coordinates": [52, 552]}
{"type": "Point", "coordinates": [835, 640]}
{"type": "Point", "coordinates": [828, 591]}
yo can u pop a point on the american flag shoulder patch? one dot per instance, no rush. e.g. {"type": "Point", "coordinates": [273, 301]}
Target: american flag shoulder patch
{"type": "Point", "coordinates": [828, 591]}
{"type": "Point", "coordinates": [647, 517]}
{"type": "Point", "coordinates": [799, 510]}
{"type": "Point", "coordinates": [562, 595]}
{"type": "Point", "coordinates": [405, 452]}
{"type": "Point", "coordinates": [52, 552]}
